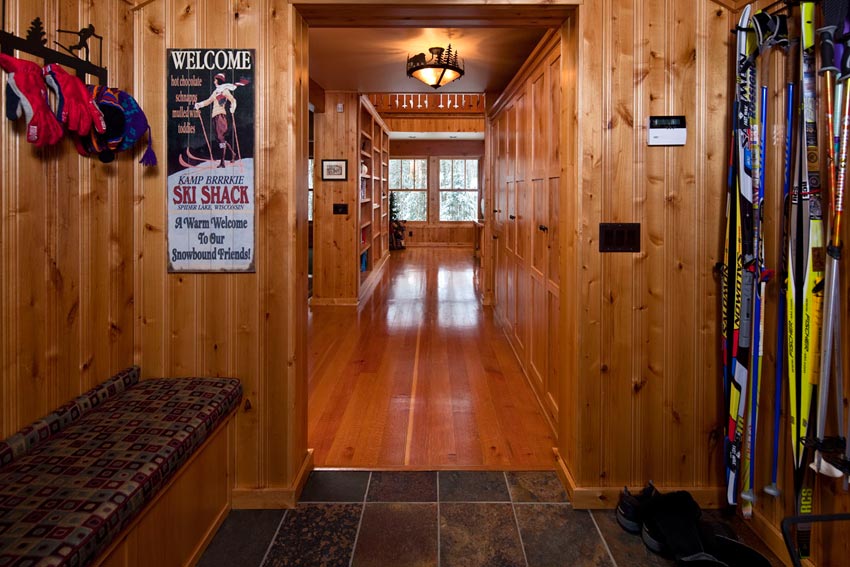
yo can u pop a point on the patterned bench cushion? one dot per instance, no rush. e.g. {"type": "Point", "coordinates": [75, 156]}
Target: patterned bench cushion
{"type": "Point", "coordinates": [69, 497]}
{"type": "Point", "coordinates": [39, 431]}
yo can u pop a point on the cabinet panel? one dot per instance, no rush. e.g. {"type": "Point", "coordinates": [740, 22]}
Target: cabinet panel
{"type": "Point", "coordinates": [510, 223]}
{"type": "Point", "coordinates": [540, 260]}
{"type": "Point", "coordinates": [539, 338]}
{"type": "Point", "coordinates": [554, 126]}
{"type": "Point", "coordinates": [501, 275]}
{"type": "Point", "coordinates": [511, 292]}
{"type": "Point", "coordinates": [553, 387]}
{"type": "Point", "coordinates": [553, 224]}
{"type": "Point", "coordinates": [540, 116]}
{"type": "Point", "coordinates": [523, 307]}
{"type": "Point", "coordinates": [523, 220]}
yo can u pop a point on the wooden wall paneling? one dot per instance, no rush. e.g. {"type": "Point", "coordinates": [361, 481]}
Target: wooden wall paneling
{"type": "Point", "coordinates": [336, 238]}
{"type": "Point", "coordinates": [185, 290]}
{"type": "Point", "coordinates": [216, 324]}
{"type": "Point", "coordinates": [241, 324]}
{"type": "Point", "coordinates": [429, 124]}
{"type": "Point", "coordinates": [65, 241]}
{"type": "Point", "coordinates": [618, 269]}
{"type": "Point", "coordinates": [286, 315]}
{"type": "Point", "coordinates": [682, 271]}
{"type": "Point", "coordinates": [63, 237]}
{"type": "Point", "coordinates": [453, 148]}
{"type": "Point", "coordinates": [246, 303]}
{"type": "Point", "coordinates": [651, 191]}
{"type": "Point", "coordinates": [26, 215]}
{"type": "Point", "coordinates": [714, 93]}
{"type": "Point", "coordinates": [118, 252]}
{"type": "Point", "coordinates": [587, 466]}
{"type": "Point", "coordinates": [152, 346]}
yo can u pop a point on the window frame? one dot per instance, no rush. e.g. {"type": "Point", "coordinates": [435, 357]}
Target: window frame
{"type": "Point", "coordinates": [425, 189]}
{"type": "Point", "coordinates": [439, 190]}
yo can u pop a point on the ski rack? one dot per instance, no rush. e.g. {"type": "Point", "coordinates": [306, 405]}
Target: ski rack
{"type": "Point", "coordinates": [35, 44]}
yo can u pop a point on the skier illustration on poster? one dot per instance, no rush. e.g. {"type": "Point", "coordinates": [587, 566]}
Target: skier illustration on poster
{"type": "Point", "coordinates": [222, 101]}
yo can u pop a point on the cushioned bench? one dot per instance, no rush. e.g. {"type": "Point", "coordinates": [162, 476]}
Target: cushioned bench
{"type": "Point", "coordinates": [73, 482]}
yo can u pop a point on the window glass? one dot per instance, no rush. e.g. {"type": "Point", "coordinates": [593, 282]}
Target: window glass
{"type": "Point", "coordinates": [458, 190]}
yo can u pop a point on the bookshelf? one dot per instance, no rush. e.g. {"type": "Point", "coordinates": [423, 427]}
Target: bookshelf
{"type": "Point", "coordinates": [350, 228]}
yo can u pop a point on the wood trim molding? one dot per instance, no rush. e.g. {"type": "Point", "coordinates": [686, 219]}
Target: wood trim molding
{"type": "Point", "coordinates": [322, 302]}
{"type": "Point", "coordinates": [605, 497]}
{"type": "Point", "coordinates": [274, 498]}
{"type": "Point", "coordinates": [733, 5]}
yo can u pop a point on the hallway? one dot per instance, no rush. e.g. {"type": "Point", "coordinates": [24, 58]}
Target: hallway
{"type": "Point", "coordinates": [420, 376]}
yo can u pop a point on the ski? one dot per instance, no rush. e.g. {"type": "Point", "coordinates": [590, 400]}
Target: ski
{"type": "Point", "coordinates": [805, 274]}
{"type": "Point", "coordinates": [835, 12]}
{"type": "Point", "coordinates": [739, 299]}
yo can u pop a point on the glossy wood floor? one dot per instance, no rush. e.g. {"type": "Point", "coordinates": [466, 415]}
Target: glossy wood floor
{"type": "Point", "coordinates": [420, 376]}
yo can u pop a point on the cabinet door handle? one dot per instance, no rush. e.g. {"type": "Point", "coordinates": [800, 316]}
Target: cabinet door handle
{"type": "Point", "coordinates": [543, 228]}
{"type": "Point", "coordinates": [495, 237]}
{"type": "Point", "coordinates": [496, 211]}
{"type": "Point", "coordinates": [512, 217]}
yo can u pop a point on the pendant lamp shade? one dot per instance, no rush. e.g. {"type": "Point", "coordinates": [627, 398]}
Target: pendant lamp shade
{"type": "Point", "coordinates": [441, 69]}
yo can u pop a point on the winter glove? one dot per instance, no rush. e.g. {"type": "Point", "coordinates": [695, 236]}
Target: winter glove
{"type": "Point", "coordinates": [75, 108]}
{"type": "Point", "coordinates": [29, 98]}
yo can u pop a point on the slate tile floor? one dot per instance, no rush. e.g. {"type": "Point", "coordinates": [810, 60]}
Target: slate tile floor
{"type": "Point", "coordinates": [446, 519]}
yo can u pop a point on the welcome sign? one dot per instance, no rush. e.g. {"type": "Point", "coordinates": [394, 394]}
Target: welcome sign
{"type": "Point", "coordinates": [211, 115]}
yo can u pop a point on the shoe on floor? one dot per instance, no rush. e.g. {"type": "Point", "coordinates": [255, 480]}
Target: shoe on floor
{"type": "Point", "coordinates": [630, 508]}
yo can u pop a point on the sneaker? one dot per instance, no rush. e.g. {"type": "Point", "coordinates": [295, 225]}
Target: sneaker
{"type": "Point", "coordinates": [630, 508]}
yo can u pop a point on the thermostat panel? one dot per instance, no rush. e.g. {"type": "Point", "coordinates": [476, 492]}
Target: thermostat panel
{"type": "Point", "coordinates": [666, 131]}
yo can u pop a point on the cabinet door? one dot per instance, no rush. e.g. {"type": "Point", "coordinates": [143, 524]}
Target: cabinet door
{"type": "Point", "coordinates": [538, 360]}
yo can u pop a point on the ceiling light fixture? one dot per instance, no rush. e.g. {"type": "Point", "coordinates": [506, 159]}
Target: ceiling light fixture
{"type": "Point", "coordinates": [443, 67]}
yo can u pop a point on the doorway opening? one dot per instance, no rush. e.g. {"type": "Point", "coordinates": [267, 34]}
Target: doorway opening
{"type": "Point", "coordinates": [416, 373]}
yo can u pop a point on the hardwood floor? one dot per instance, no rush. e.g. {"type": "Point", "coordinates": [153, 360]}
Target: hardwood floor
{"type": "Point", "coordinates": [421, 377]}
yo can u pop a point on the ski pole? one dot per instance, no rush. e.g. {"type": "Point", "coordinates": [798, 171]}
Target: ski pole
{"type": "Point", "coordinates": [236, 136]}
{"type": "Point", "coordinates": [204, 130]}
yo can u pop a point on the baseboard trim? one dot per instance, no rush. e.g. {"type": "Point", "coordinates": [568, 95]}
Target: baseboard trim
{"type": "Point", "coordinates": [342, 301]}
{"type": "Point", "coordinates": [274, 498]}
{"type": "Point", "coordinates": [605, 497]}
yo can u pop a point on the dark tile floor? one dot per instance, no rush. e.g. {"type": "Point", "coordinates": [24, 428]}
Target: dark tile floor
{"type": "Point", "coordinates": [446, 519]}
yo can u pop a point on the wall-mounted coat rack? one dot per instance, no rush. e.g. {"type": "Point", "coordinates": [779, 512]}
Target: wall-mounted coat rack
{"type": "Point", "coordinates": [35, 43]}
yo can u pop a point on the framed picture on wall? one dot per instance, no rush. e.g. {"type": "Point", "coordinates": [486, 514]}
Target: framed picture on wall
{"type": "Point", "coordinates": [334, 169]}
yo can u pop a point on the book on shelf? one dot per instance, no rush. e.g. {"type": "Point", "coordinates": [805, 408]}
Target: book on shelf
{"type": "Point", "coordinates": [363, 189]}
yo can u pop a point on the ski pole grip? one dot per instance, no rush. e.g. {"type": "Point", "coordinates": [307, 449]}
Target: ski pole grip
{"type": "Point", "coordinates": [845, 61]}
{"type": "Point", "coordinates": [827, 49]}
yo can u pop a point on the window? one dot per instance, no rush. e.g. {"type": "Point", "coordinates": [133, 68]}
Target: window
{"type": "Point", "coordinates": [409, 183]}
{"type": "Point", "coordinates": [458, 190]}
{"type": "Point", "coordinates": [310, 189]}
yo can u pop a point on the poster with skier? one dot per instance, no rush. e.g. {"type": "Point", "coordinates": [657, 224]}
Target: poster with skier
{"type": "Point", "coordinates": [210, 160]}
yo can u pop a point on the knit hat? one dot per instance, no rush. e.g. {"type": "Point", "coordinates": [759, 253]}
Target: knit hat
{"type": "Point", "coordinates": [26, 95]}
{"type": "Point", "coordinates": [220, 76]}
{"type": "Point", "coordinates": [126, 123]}
{"type": "Point", "coordinates": [75, 107]}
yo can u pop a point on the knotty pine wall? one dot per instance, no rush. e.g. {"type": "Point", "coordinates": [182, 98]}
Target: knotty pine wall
{"type": "Point", "coordinates": [66, 240]}
{"type": "Point", "coordinates": [646, 392]}
{"type": "Point", "coordinates": [252, 326]}
{"type": "Point", "coordinates": [641, 339]}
